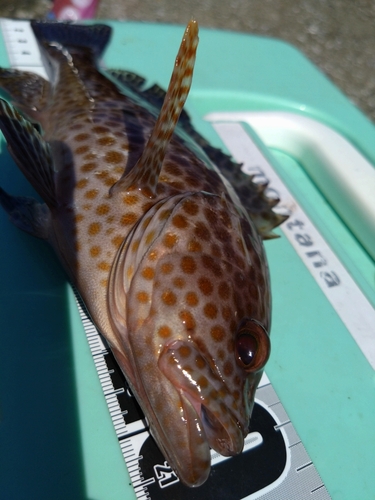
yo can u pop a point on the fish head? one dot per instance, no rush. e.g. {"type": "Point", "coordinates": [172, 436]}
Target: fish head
{"type": "Point", "coordinates": [190, 303]}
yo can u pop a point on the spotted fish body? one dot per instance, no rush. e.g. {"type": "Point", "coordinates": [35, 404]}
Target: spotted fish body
{"type": "Point", "coordinates": [167, 259]}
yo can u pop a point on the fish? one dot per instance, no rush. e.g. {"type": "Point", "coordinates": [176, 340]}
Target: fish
{"type": "Point", "coordinates": [160, 232]}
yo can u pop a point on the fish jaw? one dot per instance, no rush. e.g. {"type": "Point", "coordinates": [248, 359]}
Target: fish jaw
{"type": "Point", "coordinates": [183, 364]}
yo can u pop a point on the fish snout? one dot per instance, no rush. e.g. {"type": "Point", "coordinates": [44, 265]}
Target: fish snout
{"type": "Point", "coordinates": [191, 374]}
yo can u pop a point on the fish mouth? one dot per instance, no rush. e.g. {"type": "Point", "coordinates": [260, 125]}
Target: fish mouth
{"type": "Point", "coordinates": [206, 401]}
{"type": "Point", "coordinates": [222, 431]}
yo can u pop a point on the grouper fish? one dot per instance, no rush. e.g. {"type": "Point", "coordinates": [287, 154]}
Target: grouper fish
{"type": "Point", "coordinates": [160, 232]}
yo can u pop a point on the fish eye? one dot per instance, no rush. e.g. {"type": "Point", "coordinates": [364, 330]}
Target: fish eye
{"type": "Point", "coordinates": [252, 345]}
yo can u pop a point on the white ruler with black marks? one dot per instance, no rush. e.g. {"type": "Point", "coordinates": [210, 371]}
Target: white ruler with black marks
{"type": "Point", "coordinates": [274, 463]}
{"type": "Point", "coordinates": [21, 46]}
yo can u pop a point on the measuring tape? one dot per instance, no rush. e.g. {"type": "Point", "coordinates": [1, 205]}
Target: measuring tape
{"type": "Point", "coordinates": [287, 470]}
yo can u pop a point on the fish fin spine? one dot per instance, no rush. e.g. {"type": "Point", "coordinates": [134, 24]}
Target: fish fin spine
{"type": "Point", "coordinates": [145, 173]}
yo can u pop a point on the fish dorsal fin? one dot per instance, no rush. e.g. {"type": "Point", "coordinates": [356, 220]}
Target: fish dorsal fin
{"type": "Point", "coordinates": [95, 36]}
{"type": "Point", "coordinates": [145, 173]}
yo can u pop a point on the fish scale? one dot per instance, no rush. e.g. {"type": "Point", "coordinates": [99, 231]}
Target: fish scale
{"type": "Point", "coordinates": [168, 261]}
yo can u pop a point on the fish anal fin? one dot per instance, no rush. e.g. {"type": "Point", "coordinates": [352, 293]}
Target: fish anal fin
{"type": "Point", "coordinates": [145, 173]}
{"type": "Point", "coordinates": [27, 214]}
{"type": "Point", "coordinates": [28, 149]}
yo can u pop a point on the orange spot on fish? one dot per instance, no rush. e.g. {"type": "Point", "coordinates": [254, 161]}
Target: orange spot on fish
{"type": "Point", "coordinates": [200, 362]}
{"type": "Point", "coordinates": [143, 297]}
{"type": "Point", "coordinates": [106, 141]}
{"type": "Point", "coordinates": [187, 319]}
{"type": "Point", "coordinates": [104, 266]}
{"type": "Point", "coordinates": [130, 199]}
{"type": "Point", "coordinates": [202, 382]}
{"type": "Point", "coordinates": [179, 282]}
{"type": "Point", "coordinates": [94, 228]}
{"type": "Point", "coordinates": [205, 285]}
{"type": "Point", "coordinates": [148, 273]}
{"type": "Point", "coordinates": [117, 240]}
{"type": "Point", "coordinates": [109, 181]}
{"type": "Point", "coordinates": [210, 264]}
{"type": "Point", "coordinates": [194, 246]}
{"type": "Point", "coordinates": [202, 231]}
{"type": "Point", "coordinates": [179, 221]}
{"type": "Point", "coordinates": [210, 310]}
{"type": "Point", "coordinates": [170, 240]}
{"type": "Point", "coordinates": [128, 219]}
{"type": "Point", "coordinates": [166, 268]}
{"type": "Point", "coordinates": [150, 237]}
{"type": "Point", "coordinates": [228, 368]}
{"type": "Point", "coordinates": [164, 331]}
{"type": "Point", "coordinates": [95, 251]}
{"type": "Point", "coordinates": [224, 291]}
{"type": "Point", "coordinates": [130, 272]}
{"type": "Point", "coordinates": [164, 214]}
{"type": "Point", "coordinates": [135, 245]}
{"type": "Point", "coordinates": [113, 157]}
{"type": "Point", "coordinates": [226, 312]}
{"type": "Point", "coordinates": [81, 137]}
{"type": "Point", "coordinates": [153, 255]}
{"type": "Point", "coordinates": [88, 167]}
{"type": "Point", "coordinates": [102, 209]}
{"type": "Point", "coordinates": [184, 351]}
{"type": "Point", "coordinates": [81, 150]}
{"type": "Point", "coordinates": [188, 264]}
{"type": "Point", "coordinates": [91, 194]}
{"type": "Point", "coordinates": [169, 298]}
{"type": "Point", "coordinates": [217, 333]}
{"type": "Point", "coordinates": [192, 299]}
{"type": "Point", "coordinates": [82, 183]}
{"type": "Point", "coordinates": [99, 129]}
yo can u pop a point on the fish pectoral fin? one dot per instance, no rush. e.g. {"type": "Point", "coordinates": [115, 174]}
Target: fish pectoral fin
{"type": "Point", "coordinates": [145, 173]}
{"type": "Point", "coordinates": [27, 90]}
{"type": "Point", "coordinates": [27, 214]}
{"type": "Point", "coordinates": [28, 149]}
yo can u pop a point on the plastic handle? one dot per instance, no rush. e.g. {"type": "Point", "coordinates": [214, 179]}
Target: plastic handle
{"type": "Point", "coordinates": [342, 173]}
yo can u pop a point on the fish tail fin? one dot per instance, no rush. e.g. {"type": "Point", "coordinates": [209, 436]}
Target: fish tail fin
{"type": "Point", "coordinates": [27, 214]}
{"type": "Point", "coordinates": [30, 152]}
{"type": "Point", "coordinates": [145, 173]}
{"type": "Point", "coordinates": [95, 36]}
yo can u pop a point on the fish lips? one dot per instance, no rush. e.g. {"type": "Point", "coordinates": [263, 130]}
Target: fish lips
{"type": "Point", "coordinates": [205, 398]}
